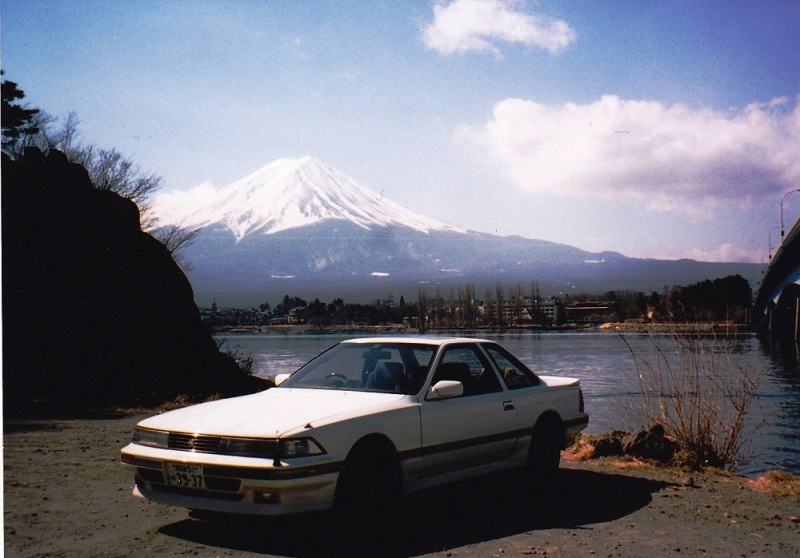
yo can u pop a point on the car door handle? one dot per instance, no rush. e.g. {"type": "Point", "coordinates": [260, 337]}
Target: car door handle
{"type": "Point", "coordinates": [508, 405]}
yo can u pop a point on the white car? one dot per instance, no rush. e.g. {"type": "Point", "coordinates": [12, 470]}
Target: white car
{"type": "Point", "coordinates": [365, 421]}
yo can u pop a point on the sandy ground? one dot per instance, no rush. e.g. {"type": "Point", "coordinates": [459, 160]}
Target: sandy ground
{"type": "Point", "coordinates": [65, 494]}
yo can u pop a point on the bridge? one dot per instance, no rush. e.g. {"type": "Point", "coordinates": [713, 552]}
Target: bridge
{"type": "Point", "coordinates": [777, 306]}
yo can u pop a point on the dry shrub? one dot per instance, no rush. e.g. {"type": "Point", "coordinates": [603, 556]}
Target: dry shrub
{"type": "Point", "coordinates": [777, 483]}
{"type": "Point", "coordinates": [698, 394]}
{"type": "Point", "coordinates": [583, 449]}
{"type": "Point", "coordinates": [243, 359]}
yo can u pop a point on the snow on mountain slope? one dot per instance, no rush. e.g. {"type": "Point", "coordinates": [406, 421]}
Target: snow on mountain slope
{"type": "Point", "coordinates": [287, 194]}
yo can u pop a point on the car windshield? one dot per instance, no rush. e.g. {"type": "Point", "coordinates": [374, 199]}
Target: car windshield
{"type": "Point", "coordinates": [383, 367]}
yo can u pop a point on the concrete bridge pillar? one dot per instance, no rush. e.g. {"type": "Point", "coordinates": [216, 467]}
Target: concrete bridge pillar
{"type": "Point", "coordinates": [783, 317]}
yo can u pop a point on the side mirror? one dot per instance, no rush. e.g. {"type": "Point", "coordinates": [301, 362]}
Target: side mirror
{"type": "Point", "coordinates": [280, 378]}
{"type": "Point", "coordinates": [445, 389]}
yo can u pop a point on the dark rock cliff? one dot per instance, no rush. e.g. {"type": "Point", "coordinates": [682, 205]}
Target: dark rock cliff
{"type": "Point", "coordinates": [95, 311]}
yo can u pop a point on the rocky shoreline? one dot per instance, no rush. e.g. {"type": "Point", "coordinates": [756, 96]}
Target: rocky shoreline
{"type": "Point", "coordinates": [65, 494]}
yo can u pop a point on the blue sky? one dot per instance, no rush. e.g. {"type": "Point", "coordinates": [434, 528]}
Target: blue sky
{"type": "Point", "coordinates": [656, 129]}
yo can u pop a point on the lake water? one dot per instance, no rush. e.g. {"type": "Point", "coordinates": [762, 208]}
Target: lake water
{"type": "Point", "coordinates": [604, 363]}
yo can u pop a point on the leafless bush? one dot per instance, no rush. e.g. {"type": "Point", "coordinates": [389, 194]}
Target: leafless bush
{"type": "Point", "coordinates": [695, 390]}
{"type": "Point", "coordinates": [242, 358]}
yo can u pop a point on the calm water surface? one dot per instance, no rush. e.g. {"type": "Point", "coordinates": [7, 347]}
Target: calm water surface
{"type": "Point", "coordinates": [603, 362]}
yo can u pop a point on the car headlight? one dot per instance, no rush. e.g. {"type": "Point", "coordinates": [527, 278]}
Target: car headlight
{"type": "Point", "coordinates": [299, 447]}
{"type": "Point", "coordinates": [248, 447]}
{"type": "Point", "coordinates": [151, 438]}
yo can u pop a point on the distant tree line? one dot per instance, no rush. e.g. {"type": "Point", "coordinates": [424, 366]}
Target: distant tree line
{"type": "Point", "coordinates": [725, 299]}
{"type": "Point", "coordinates": [338, 312]}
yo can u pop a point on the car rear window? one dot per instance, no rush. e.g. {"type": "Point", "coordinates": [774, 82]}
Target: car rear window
{"type": "Point", "coordinates": [515, 374]}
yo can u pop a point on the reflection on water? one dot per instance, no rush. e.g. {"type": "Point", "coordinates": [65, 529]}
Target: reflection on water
{"type": "Point", "coordinates": [603, 362]}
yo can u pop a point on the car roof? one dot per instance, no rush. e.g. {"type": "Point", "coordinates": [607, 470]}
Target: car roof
{"type": "Point", "coordinates": [416, 340]}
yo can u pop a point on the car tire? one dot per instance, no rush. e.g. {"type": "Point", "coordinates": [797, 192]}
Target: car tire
{"type": "Point", "coordinates": [544, 455]}
{"type": "Point", "coordinates": [369, 482]}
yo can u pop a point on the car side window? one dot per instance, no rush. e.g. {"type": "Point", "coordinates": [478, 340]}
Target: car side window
{"type": "Point", "coordinates": [466, 365]}
{"type": "Point", "coordinates": [515, 374]}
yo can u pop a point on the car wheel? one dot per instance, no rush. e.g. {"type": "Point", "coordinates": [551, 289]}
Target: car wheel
{"type": "Point", "coordinates": [369, 482]}
{"type": "Point", "coordinates": [544, 454]}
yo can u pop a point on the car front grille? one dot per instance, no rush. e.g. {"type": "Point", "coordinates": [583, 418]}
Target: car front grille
{"type": "Point", "coordinates": [191, 442]}
{"type": "Point", "coordinates": [240, 446]}
{"type": "Point", "coordinates": [264, 448]}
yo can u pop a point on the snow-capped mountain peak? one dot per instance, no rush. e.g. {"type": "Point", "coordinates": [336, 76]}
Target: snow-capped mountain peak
{"type": "Point", "coordinates": [289, 193]}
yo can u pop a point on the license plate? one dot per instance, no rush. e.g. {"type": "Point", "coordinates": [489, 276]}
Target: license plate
{"type": "Point", "coordinates": [182, 474]}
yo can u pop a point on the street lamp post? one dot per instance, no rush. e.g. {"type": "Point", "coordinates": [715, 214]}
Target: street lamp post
{"type": "Point", "coordinates": [783, 198]}
{"type": "Point", "coordinates": [769, 240]}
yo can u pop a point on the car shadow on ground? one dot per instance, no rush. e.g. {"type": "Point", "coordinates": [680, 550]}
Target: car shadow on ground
{"type": "Point", "coordinates": [447, 517]}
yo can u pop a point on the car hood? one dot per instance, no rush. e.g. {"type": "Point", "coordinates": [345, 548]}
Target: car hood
{"type": "Point", "coordinates": [273, 412]}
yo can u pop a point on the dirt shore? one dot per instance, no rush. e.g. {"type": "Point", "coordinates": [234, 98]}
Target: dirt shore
{"type": "Point", "coordinates": [65, 494]}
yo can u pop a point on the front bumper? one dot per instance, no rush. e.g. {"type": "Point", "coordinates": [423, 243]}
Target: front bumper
{"type": "Point", "coordinates": [235, 485]}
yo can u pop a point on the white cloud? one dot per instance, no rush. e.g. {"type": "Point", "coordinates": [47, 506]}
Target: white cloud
{"type": "Point", "coordinates": [467, 25]}
{"type": "Point", "coordinates": [175, 206]}
{"type": "Point", "coordinates": [677, 158]}
{"type": "Point", "coordinates": [728, 253]}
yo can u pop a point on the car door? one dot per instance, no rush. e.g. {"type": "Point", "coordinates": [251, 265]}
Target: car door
{"type": "Point", "coordinates": [473, 429]}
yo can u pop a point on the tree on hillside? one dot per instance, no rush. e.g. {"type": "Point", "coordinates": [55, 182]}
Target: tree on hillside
{"type": "Point", "coordinates": [174, 238]}
{"type": "Point", "coordinates": [18, 122]}
{"type": "Point", "coordinates": [108, 168]}
{"type": "Point", "coordinates": [111, 170]}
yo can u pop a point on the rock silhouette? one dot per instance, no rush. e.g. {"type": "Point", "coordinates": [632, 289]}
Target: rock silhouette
{"type": "Point", "coordinates": [95, 311]}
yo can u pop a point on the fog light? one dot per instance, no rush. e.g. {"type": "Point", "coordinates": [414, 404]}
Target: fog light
{"type": "Point", "coordinates": [266, 497]}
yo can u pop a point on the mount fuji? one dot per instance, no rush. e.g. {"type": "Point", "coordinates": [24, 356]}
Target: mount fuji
{"type": "Point", "coordinates": [299, 227]}
{"type": "Point", "coordinates": [295, 193]}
